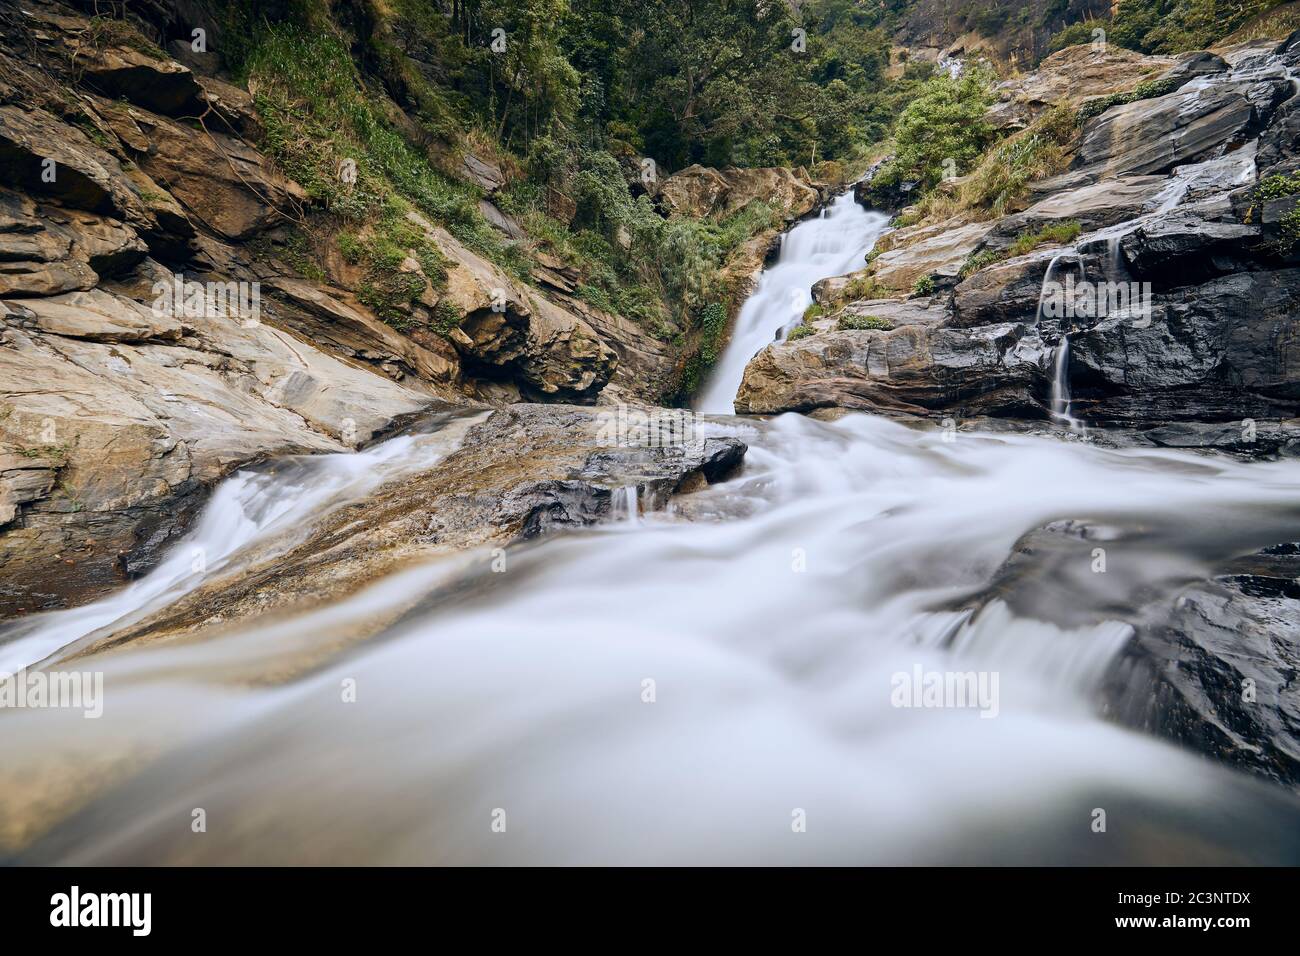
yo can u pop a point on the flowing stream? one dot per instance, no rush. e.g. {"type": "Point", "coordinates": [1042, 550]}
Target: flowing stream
{"type": "Point", "coordinates": [734, 680]}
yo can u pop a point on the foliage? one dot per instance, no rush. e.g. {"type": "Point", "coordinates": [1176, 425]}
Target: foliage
{"type": "Point", "coordinates": [941, 129]}
{"type": "Point", "coordinates": [924, 286]}
{"type": "Point", "coordinates": [1166, 26]}
{"type": "Point", "coordinates": [859, 323]}
{"type": "Point", "coordinates": [800, 332]}
{"type": "Point", "coordinates": [1143, 91]}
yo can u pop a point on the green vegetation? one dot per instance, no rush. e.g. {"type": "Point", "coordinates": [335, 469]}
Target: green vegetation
{"type": "Point", "coordinates": [1058, 233]}
{"type": "Point", "coordinates": [1001, 180]}
{"type": "Point", "coordinates": [712, 327]}
{"type": "Point", "coordinates": [1166, 26]}
{"type": "Point", "coordinates": [924, 286]}
{"type": "Point", "coordinates": [1143, 91]}
{"type": "Point", "coordinates": [1277, 186]}
{"type": "Point", "coordinates": [941, 131]}
{"type": "Point", "coordinates": [859, 323]}
{"type": "Point", "coordinates": [800, 332]}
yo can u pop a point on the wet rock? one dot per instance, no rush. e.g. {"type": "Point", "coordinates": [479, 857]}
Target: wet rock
{"type": "Point", "coordinates": [523, 471]}
{"type": "Point", "coordinates": [1220, 351]}
{"type": "Point", "coordinates": [136, 413]}
{"type": "Point", "coordinates": [1093, 206]}
{"type": "Point", "coordinates": [1002, 292]}
{"type": "Point", "coordinates": [912, 369]}
{"type": "Point", "coordinates": [1222, 656]}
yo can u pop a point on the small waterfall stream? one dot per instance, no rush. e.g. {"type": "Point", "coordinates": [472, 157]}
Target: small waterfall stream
{"type": "Point", "coordinates": [832, 244]}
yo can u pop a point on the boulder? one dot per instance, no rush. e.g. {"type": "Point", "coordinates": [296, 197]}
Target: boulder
{"type": "Point", "coordinates": [222, 183]}
{"type": "Point", "coordinates": [940, 254]}
{"type": "Point", "coordinates": [701, 192]}
{"type": "Point", "coordinates": [913, 369]}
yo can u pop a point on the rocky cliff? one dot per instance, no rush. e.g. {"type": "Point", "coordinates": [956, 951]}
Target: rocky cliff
{"type": "Point", "coordinates": [173, 304]}
{"type": "Point", "coordinates": [1179, 188]}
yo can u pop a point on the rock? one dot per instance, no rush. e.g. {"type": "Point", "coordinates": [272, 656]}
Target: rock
{"type": "Point", "coordinates": [913, 369]}
{"type": "Point", "coordinates": [41, 155]}
{"type": "Point", "coordinates": [485, 175]}
{"type": "Point", "coordinates": [135, 414]}
{"type": "Point", "coordinates": [940, 255]}
{"type": "Point", "coordinates": [697, 191]}
{"type": "Point", "coordinates": [1006, 291]}
{"type": "Point", "coordinates": [500, 221]}
{"type": "Point", "coordinates": [228, 186]}
{"type": "Point", "coordinates": [1187, 242]}
{"type": "Point", "coordinates": [1094, 206]}
{"type": "Point", "coordinates": [350, 329]}
{"type": "Point", "coordinates": [45, 250]}
{"type": "Point", "coordinates": [522, 472]}
{"type": "Point", "coordinates": [1212, 352]}
{"type": "Point", "coordinates": [1154, 135]}
{"type": "Point", "coordinates": [1198, 651]}
{"type": "Point", "coordinates": [161, 85]}
{"type": "Point", "coordinates": [98, 316]}
{"type": "Point", "coordinates": [701, 192]}
{"type": "Point", "coordinates": [1073, 74]}
{"type": "Point", "coordinates": [505, 327]}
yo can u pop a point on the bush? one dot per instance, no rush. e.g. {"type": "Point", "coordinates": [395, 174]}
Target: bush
{"type": "Point", "coordinates": [860, 323]}
{"type": "Point", "coordinates": [800, 332]}
{"type": "Point", "coordinates": [943, 122]}
{"type": "Point", "coordinates": [924, 286]}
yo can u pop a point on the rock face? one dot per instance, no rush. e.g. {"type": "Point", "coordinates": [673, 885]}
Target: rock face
{"type": "Point", "coordinates": [701, 192]}
{"type": "Point", "coordinates": [119, 418]}
{"type": "Point", "coordinates": [913, 369]}
{"type": "Point", "coordinates": [116, 416]}
{"type": "Point", "coordinates": [520, 472]}
{"type": "Point", "coordinates": [1162, 190]}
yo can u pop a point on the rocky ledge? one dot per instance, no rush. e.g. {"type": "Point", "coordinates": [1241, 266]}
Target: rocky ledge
{"type": "Point", "coordinates": [1187, 198]}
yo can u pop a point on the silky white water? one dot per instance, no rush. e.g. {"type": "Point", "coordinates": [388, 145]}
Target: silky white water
{"type": "Point", "coordinates": [834, 243]}
{"type": "Point", "coordinates": [251, 507]}
{"type": "Point", "coordinates": [685, 691]}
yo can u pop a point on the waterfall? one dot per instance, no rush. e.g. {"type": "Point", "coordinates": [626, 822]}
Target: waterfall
{"type": "Point", "coordinates": [267, 509]}
{"type": "Point", "coordinates": [627, 506]}
{"type": "Point", "coordinates": [831, 244]}
{"type": "Point", "coordinates": [1060, 405]}
{"type": "Point", "coordinates": [669, 696]}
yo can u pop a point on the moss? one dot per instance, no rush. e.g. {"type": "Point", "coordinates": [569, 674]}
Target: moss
{"type": "Point", "coordinates": [813, 312]}
{"type": "Point", "coordinates": [800, 332]}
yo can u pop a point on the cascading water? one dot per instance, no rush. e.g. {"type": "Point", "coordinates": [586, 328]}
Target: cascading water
{"type": "Point", "coordinates": [673, 695]}
{"type": "Point", "coordinates": [832, 244]}
{"type": "Point", "coordinates": [677, 694]}
{"type": "Point", "coordinates": [1060, 398]}
{"type": "Point", "coordinates": [251, 508]}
